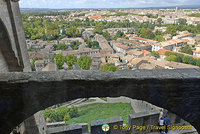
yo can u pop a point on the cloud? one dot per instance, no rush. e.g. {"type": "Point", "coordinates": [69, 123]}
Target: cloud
{"type": "Point", "coordinates": [103, 3]}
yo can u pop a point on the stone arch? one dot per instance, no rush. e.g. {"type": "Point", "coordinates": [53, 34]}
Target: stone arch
{"type": "Point", "coordinates": [9, 61]}
{"type": "Point", "coordinates": [23, 94]}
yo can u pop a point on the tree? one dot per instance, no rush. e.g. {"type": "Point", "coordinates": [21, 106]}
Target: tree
{"type": "Point", "coordinates": [66, 118]}
{"type": "Point", "coordinates": [198, 62]}
{"type": "Point", "coordinates": [59, 60]}
{"type": "Point", "coordinates": [146, 33]}
{"type": "Point", "coordinates": [155, 54]}
{"type": "Point", "coordinates": [182, 21]}
{"type": "Point", "coordinates": [159, 20]}
{"type": "Point", "coordinates": [171, 29]}
{"type": "Point", "coordinates": [52, 31]}
{"type": "Point", "coordinates": [159, 38]}
{"type": "Point", "coordinates": [73, 112]}
{"type": "Point", "coordinates": [119, 34]}
{"type": "Point", "coordinates": [72, 32]}
{"type": "Point", "coordinates": [62, 47]}
{"type": "Point", "coordinates": [186, 59]}
{"type": "Point", "coordinates": [109, 67]}
{"type": "Point", "coordinates": [71, 60]}
{"type": "Point", "coordinates": [107, 35]}
{"type": "Point", "coordinates": [75, 45]}
{"type": "Point", "coordinates": [61, 112]}
{"type": "Point", "coordinates": [85, 62]}
{"type": "Point", "coordinates": [186, 49]}
{"type": "Point", "coordinates": [172, 58]}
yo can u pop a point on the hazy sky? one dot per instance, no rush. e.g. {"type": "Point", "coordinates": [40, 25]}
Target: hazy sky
{"type": "Point", "coordinates": [103, 3]}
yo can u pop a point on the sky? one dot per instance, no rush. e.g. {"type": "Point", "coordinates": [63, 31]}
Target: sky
{"type": "Point", "coordinates": [103, 3]}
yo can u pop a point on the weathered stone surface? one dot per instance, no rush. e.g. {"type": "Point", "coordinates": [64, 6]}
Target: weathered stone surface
{"type": "Point", "coordinates": [13, 50]}
{"type": "Point", "coordinates": [144, 119]}
{"type": "Point", "coordinates": [63, 129]}
{"type": "Point", "coordinates": [96, 126]}
{"type": "Point", "coordinates": [23, 94]}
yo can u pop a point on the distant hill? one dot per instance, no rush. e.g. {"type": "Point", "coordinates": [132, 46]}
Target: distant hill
{"type": "Point", "coordinates": [160, 7]}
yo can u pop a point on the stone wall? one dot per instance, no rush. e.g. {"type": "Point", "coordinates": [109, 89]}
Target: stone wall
{"type": "Point", "coordinates": [96, 126]}
{"type": "Point", "coordinates": [143, 120]}
{"type": "Point", "coordinates": [23, 94]}
{"type": "Point", "coordinates": [137, 105]}
{"type": "Point", "coordinates": [34, 125]}
{"type": "Point", "coordinates": [12, 40]}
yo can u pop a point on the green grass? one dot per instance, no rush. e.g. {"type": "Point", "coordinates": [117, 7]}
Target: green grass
{"type": "Point", "coordinates": [102, 111]}
{"type": "Point", "coordinates": [104, 98]}
{"type": "Point", "coordinates": [194, 15]}
{"type": "Point", "coordinates": [90, 100]}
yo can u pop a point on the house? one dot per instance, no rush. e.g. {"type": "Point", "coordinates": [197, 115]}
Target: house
{"type": "Point", "coordinates": [45, 57]}
{"type": "Point", "coordinates": [167, 37]}
{"type": "Point", "coordinates": [50, 67]}
{"type": "Point", "coordinates": [147, 66]}
{"type": "Point", "coordinates": [127, 58]}
{"type": "Point", "coordinates": [169, 44]}
{"type": "Point", "coordinates": [103, 43]}
{"type": "Point", "coordinates": [161, 53]}
{"type": "Point", "coordinates": [89, 32]}
{"type": "Point", "coordinates": [81, 52]}
{"type": "Point", "coordinates": [176, 65]}
{"type": "Point", "coordinates": [121, 48]}
{"type": "Point", "coordinates": [39, 64]}
{"type": "Point", "coordinates": [146, 53]}
{"type": "Point", "coordinates": [135, 63]}
{"type": "Point", "coordinates": [143, 40]}
{"type": "Point", "coordinates": [183, 36]}
{"type": "Point", "coordinates": [135, 53]}
{"type": "Point", "coordinates": [161, 29]}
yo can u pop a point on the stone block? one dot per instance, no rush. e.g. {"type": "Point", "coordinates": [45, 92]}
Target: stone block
{"type": "Point", "coordinates": [96, 126]}
{"type": "Point", "coordinates": [141, 122]}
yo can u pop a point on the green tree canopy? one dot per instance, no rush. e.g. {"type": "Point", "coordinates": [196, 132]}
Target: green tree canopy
{"type": "Point", "coordinates": [75, 45]}
{"type": "Point", "coordinates": [171, 29]}
{"type": "Point", "coordinates": [159, 38]}
{"type": "Point", "coordinates": [155, 54]}
{"type": "Point", "coordinates": [59, 60]}
{"type": "Point", "coordinates": [109, 67]}
{"type": "Point", "coordinates": [198, 62]}
{"type": "Point", "coordinates": [62, 47]}
{"type": "Point", "coordinates": [72, 32]}
{"type": "Point", "coordinates": [71, 60]}
{"type": "Point", "coordinates": [85, 62]}
{"type": "Point", "coordinates": [186, 49]}
{"type": "Point", "coordinates": [159, 20]}
{"type": "Point", "coordinates": [52, 31]}
{"type": "Point", "coordinates": [172, 58]}
{"type": "Point", "coordinates": [182, 21]}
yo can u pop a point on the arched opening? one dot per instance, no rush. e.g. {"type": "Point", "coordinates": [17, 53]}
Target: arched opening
{"type": "Point", "coordinates": [8, 60]}
{"type": "Point", "coordinates": [143, 114]}
{"type": "Point", "coordinates": [32, 92]}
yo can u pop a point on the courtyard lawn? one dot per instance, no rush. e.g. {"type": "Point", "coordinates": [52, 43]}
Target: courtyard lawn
{"type": "Point", "coordinates": [102, 111]}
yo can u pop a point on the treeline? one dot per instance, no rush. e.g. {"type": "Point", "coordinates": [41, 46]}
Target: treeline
{"type": "Point", "coordinates": [84, 62]}
{"type": "Point", "coordinates": [176, 57]}
{"type": "Point", "coordinates": [60, 114]}
{"type": "Point", "coordinates": [43, 13]}
{"type": "Point", "coordinates": [194, 15]}
{"type": "Point", "coordinates": [45, 29]}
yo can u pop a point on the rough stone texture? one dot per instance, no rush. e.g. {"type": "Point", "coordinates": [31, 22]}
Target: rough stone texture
{"type": "Point", "coordinates": [63, 129]}
{"type": "Point", "coordinates": [12, 40]}
{"type": "Point", "coordinates": [33, 125]}
{"type": "Point", "coordinates": [23, 94]}
{"type": "Point", "coordinates": [96, 126]}
{"type": "Point", "coordinates": [143, 119]}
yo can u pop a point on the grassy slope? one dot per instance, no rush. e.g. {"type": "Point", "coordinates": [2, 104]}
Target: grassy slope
{"type": "Point", "coordinates": [102, 111]}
